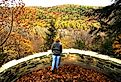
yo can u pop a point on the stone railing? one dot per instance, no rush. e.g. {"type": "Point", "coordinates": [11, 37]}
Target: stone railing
{"type": "Point", "coordinates": [12, 70]}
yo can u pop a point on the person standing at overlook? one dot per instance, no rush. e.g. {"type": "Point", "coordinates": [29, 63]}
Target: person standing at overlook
{"type": "Point", "coordinates": [56, 50]}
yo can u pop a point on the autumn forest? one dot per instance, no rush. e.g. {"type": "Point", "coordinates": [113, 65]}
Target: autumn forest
{"type": "Point", "coordinates": [25, 31]}
{"type": "Point", "coordinates": [28, 30]}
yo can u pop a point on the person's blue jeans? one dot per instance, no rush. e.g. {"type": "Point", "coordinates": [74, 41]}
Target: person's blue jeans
{"type": "Point", "coordinates": [55, 61]}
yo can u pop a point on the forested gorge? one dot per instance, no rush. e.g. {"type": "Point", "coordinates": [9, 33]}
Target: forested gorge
{"type": "Point", "coordinates": [33, 29]}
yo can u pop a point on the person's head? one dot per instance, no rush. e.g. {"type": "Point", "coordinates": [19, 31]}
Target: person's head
{"type": "Point", "coordinates": [57, 40]}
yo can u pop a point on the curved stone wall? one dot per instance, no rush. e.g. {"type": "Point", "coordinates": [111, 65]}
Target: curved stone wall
{"type": "Point", "coordinates": [112, 68]}
{"type": "Point", "coordinates": [13, 73]}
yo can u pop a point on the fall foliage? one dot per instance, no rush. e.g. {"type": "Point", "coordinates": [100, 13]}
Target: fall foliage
{"type": "Point", "coordinates": [27, 30]}
{"type": "Point", "coordinates": [68, 73]}
{"type": "Point", "coordinates": [32, 29]}
{"type": "Point", "coordinates": [117, 45]}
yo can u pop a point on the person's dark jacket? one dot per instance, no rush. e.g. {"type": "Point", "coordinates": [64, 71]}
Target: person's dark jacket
{"type": "Point", "coordinates": [56, 48]}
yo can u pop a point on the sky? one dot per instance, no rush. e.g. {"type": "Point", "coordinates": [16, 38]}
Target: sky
{"type": "Point", "coordinates": [49, 3]}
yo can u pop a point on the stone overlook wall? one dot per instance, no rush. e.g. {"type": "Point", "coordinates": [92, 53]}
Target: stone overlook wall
{"type": "Point", "coordinates": [12, 70]}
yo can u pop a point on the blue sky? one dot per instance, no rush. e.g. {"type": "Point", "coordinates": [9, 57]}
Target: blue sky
{"type": "Point", "coordinates": [47, 3]}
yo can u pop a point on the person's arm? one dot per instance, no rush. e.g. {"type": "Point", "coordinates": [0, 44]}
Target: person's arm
{"type": "Point", "coordinates": [61, 48]}
{"type": "Point", "coordinates": [52, 47]}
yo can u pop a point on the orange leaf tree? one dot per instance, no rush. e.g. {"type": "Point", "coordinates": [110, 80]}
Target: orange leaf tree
{"type": "Point", "coordinates": [8, 11]}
